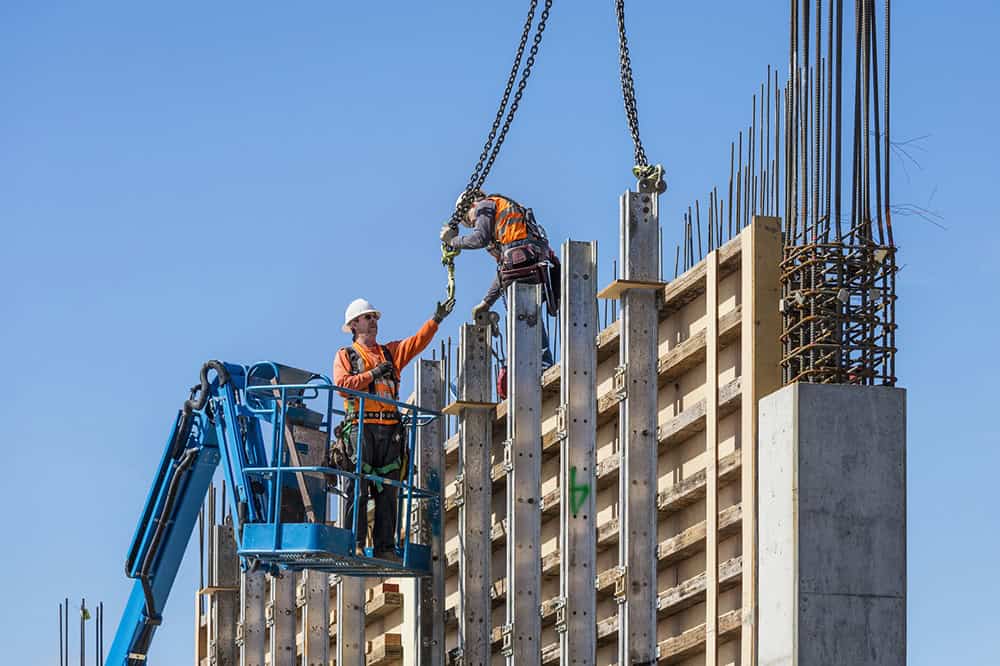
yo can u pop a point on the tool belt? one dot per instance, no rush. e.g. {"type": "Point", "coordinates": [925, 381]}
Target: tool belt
{"type": "Point", "coordinates": [392, 415]}
{"type": "Point", "coordinates": [533, 262]}
{"type": "Point", "coordinates": [522, 259]}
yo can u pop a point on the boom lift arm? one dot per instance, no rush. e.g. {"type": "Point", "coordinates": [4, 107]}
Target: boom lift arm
{"type": "Point", "coordinates": [224, 423]}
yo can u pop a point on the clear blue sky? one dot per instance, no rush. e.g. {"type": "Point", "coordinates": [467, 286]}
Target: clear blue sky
{"type": "Point", "coordinates": [217, 180]}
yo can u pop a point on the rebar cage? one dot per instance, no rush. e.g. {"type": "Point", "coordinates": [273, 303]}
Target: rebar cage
{"type": "Point", "coordinates": [839, 310]}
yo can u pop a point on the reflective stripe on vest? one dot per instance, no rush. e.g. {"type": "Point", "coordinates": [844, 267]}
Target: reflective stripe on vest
{"type": "Point", "coordinates": [509, 224]}
{"type": "Point", "coordinates": [384, 387]}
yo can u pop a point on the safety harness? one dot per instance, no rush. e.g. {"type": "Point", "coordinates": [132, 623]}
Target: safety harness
{"type": "Point", "coordinates": [346, 436]}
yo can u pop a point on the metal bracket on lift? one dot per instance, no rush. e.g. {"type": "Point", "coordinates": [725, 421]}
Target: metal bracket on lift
{"type": "Point", "coordinates": [269, 614]}
{"type": "Point", "coordinates": [240, 633]}
{"type": "Point", "coordinates": [459, 489]}
{"type": "Point", "coordinates": [621, 381]}
{"type": "Point", "coordinates": [560, 608]}
{"type": "Point", "coordinates": [508, 456]}
{"type": "Point", "coordinates": [621, 584]}
{"type": "Point", "coordinates": [562, 429]}
{"type": "Point", "coordinates": [507, 640]}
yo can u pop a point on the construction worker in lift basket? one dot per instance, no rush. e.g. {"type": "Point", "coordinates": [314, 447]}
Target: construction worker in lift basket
{"type": "Point", "coordinates": [511, 235]}
{"type": "Point", "coordinates": [374, 368]}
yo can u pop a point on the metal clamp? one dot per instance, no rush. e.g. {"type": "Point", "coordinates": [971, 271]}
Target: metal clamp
{"type": "Point", "coordinates": [507, 639]}
{"type": "Point", "coordinates": [621, 584]}
{"type": "Point", "coordinates": [562, 429]}
{"type": "Point", "coordinates": [459, 489]}
{"type": "Point", "coordinates": [456, 657]}
{"type": "Point", "coordinates": [240, 633]}
{"type": "Point", "coordinates": [560, 608]}
{"type": "Point", "coordinates": [621, 381]}
{"type": "Point", "coordinates": [508, 456]}
{"type": "Point", "coordinates": [300, 594]}
{"type": "Point", "coordinates": [269, 614]}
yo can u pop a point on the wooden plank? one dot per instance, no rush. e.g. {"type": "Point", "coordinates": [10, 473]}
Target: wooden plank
{"type": "Point", "coordinates": [679, 428]}
{"type": "Point", "coordinates": [456, 407]}
{"type": "Point", "coordinates": [670, 551]}
{"type": "Point", "coordinates": [615, 290]}
{"type": "Point", "coordinates": [385, 650]}
{"type": "Point", "coordinates": [761, 373]}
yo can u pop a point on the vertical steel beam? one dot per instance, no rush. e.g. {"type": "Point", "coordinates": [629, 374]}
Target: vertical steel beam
{"type": "Point", "coordinates": [474, 513]}
{"type": "Point", "coordinates": [350, 614]}
{"type": "Point", "coordinates": [251, 633]}
{"type": "Point", "coordinates": [637, 480]}
{"type": "Point", "coordinates": [712, 453]}
{"type": "Point", "coordinates": [315, 596]}
{"type": "Point", "coordinates": [523, 459]}
{"type": "Point", "coordinates": [576, 619]}
{"type": "Point", "coordinates": [430, 394]}
{"type": "Point", "coordinates": [282, 620]}
{"type": "Point", "coordinates": [223, 602]}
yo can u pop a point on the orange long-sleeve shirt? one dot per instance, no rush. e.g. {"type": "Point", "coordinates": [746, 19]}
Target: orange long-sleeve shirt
{"type": "Point", "coordinates": [403, 351]}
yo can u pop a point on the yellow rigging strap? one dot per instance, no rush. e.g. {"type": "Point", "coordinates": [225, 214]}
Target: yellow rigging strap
{"type": "Point", "coordinates": [448, 255]}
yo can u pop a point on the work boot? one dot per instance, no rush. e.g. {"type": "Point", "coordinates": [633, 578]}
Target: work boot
{"type": "Point", "coordinates": [389, 555]}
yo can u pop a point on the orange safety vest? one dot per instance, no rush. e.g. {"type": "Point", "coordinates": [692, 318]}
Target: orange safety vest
{"type": "Point", "coordinates": [510, 224]}
{"type": "Point", "coordinates": [384, 387]}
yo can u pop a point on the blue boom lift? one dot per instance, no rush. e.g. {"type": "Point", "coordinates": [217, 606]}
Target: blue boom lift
{"type": "Point", "coordinates": [279, 503]}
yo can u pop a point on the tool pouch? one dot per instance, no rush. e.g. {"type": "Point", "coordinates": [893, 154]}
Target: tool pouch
{"type": "Point", "coordinates": [518, 263]}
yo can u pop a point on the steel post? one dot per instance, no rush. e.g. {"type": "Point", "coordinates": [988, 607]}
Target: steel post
{"type": "Point", "coordinates": [430, 394]}
{"type": "Point", "coordinates": [282, 620]}
{"type": "Point", "coordinates": [350, 614]}
{"type": "Point", "coordinates": [251, 632]}
{"type": "Point", "coordinates": [576, 618]}
{"type": "Point", "coordinates": [315, 618]}
{"type": "Point", "coordinates": [476, 438]}
{"type": "Point", "coordinates": [523, 460]}
{"type": "Point", "coordinates": [638, 419]}
{"type": "Point", "coordinates": [223, 602]}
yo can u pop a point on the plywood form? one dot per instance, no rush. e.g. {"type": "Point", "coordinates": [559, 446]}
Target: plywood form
{"type": "Point", "coordinates": [686, 458]}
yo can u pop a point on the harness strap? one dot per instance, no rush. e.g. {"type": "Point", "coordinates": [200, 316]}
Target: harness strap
{"type": "Point", "coordinates": [380, 471]}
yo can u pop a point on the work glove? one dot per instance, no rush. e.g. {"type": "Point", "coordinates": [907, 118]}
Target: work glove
{"type": "Point", "coordinates": [483, 306]}
{"type": "Point", "coordinates": [443, 309]}
{"type": "Point", "coordinates": [381, 370]}
{"type": "Point", "coordinates": [448, 231]}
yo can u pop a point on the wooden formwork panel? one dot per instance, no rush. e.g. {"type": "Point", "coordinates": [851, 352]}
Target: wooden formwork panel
{"type": "Point", "coordinates": [702, 460]}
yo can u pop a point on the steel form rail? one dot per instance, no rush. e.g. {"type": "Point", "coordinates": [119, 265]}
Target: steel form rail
{"type": "Point", "coordinates": [637, 588]}
{"type": "Point", "coordinates": [522, 633]}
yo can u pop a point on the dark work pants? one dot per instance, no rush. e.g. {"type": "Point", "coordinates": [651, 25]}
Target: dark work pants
{"type": "Point", "coordinates": [382, 445]}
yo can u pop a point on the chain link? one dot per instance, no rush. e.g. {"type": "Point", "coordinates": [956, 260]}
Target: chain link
{"type": "Point", "coordinates": [628, 87]}
{"type": "Point", "coordinates": [498, 133]}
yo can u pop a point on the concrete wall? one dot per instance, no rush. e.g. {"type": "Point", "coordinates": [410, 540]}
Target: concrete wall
{"type": "Point", "coordinates": [832, 493]}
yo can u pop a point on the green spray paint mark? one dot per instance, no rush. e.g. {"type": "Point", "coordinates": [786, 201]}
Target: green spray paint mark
{"type": "Point", "coordinates": [578, 493]}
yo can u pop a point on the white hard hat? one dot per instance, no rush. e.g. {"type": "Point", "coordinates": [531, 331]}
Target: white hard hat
{"type": "Point", "coordinates": [357, 308]}
{"type": "Point", "coordinates": [473, 195]}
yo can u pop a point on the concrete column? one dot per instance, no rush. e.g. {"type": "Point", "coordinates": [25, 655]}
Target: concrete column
{"type": "Point", "coordinates": [832, 569]}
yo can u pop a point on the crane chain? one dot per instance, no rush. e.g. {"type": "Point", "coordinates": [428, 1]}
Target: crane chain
{"type": "Point", "coordinates": [650, 177]}
{"type": "Point", "coordinates": [498, 133]}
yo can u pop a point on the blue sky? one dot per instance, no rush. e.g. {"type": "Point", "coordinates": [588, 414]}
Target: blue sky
{"type": "Point", "coordinates": [218, 180]}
